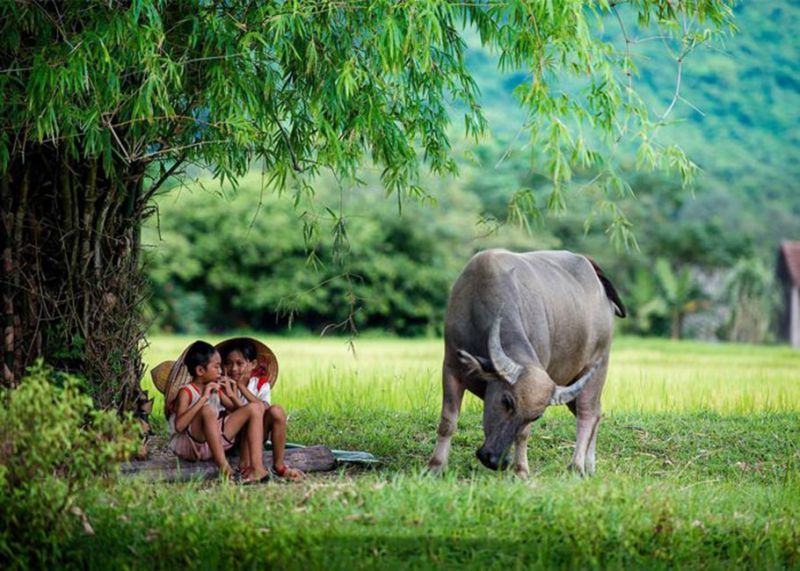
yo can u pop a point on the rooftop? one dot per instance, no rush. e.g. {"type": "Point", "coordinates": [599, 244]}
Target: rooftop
{"type": "Point", "coordinates": [790, 254]}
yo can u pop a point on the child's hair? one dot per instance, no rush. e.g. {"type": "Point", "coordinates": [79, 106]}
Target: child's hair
{"type": "Point", "coordinates": [198, 355]}
{"type": "Point", "coordinates": [246, 347]}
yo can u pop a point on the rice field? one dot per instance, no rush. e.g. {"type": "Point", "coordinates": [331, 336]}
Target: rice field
{"type": "Point", "coordinates": [645, 376]}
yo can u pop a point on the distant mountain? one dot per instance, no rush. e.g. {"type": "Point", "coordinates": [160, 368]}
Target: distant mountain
{"type": "Point", "coordinates": [741, 125]}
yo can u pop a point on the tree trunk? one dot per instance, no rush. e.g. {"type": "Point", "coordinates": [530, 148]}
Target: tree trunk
{"type": "Point", "coordinates": [72, 285]}
{"type": "Point", "coordinates": [675, 324]}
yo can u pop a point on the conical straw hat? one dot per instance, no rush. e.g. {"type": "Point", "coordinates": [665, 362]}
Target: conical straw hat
{"type": "Point", "coordinates": [177, 378]}
{"type": "Point", "coordinates": [160, 375]}
{"type": "Point", "coordinates": [264, 355]}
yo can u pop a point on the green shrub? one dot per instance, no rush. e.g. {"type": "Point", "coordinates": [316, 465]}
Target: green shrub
{"type": "Point", "coordinates": [392, 274]}
{"type": "Point", "coordinates": [53, 443]}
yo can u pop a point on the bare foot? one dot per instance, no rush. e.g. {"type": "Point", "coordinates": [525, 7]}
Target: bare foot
{"type": "Point", "coordinates": [256, 476]}
{"type": "Point", "coordinates": [288, 473]}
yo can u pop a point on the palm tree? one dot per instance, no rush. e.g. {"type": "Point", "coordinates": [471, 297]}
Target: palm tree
{"type": "Point", "coordinates": [645, 301]}
{"type": "Point", "coordinates": [680, 292]}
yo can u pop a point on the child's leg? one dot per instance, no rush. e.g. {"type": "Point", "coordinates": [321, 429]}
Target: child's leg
{"type": "Point", "coordinates": [250, 416]}
{"type": "Point", "coordinates": [244, 456]}
{"type": "Point", "coordinates": [275, 421]}
{"type": "Point", "coordinates": [205, 426]}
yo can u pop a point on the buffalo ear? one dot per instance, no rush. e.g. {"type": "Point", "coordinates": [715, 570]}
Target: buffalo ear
{"type": "Point", "coordinates": [476, 366]}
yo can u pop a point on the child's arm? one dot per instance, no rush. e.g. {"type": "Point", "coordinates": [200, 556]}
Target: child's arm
{"type": "Point", "coordinates": [246, 392]}
{"type": "Point", "coordinates": [184, 414]}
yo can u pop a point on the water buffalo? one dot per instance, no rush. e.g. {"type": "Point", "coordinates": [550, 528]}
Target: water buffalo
{"type": "Point", "coordinates": [524, 331]}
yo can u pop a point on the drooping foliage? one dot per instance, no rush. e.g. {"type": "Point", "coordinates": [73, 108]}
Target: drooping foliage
{"type": "Point", "coordinates": [735, 117]}
{"type": "Point", "coordinates": [217, 263]}
{"type": "Point", "coordinates": [104, 101]}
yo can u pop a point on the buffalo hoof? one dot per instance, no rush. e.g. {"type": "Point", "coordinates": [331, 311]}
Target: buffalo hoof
{"type": "Point", "coordinates": [521, 472]}
{"type": "Point", "coordinates": [435, 467]}
{"type": "Point", "coordinates": [579, 471]}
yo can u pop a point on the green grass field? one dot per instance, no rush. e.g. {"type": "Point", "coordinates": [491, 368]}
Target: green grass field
{"type": "Point", "coordinates": [646, 376]}
{"type": "Point", "coordinates": [698, 467]}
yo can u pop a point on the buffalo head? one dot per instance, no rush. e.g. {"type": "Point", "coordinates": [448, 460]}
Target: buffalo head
{"type": "Point", "coordinates": [516, 395]}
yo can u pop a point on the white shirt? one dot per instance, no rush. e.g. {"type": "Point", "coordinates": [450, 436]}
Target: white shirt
{"type": "Point", "coordinates": [260, 387]}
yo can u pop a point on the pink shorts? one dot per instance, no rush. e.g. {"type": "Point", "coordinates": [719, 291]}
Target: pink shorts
{"type": "Point", "coordinates": [187, 447]}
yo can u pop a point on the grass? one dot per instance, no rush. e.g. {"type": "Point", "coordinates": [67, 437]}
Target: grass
{"type": "Point", "coordinates": [698, 467]}
{"type": "Point", "coordinates": [409, 521]}
{"type": "Point", "coordinates": [645, 376]}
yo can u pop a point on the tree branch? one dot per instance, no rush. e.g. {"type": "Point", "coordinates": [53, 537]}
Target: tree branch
{"type": "Point", "coordinates": [168, 173]}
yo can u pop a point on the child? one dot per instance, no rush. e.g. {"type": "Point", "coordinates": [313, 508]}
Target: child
{"type": "Point", "coordinates": [197, 430]}
{"type": "Point", "coordinates": [241, 360]}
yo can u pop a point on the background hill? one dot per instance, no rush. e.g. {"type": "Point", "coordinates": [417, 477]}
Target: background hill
{"type": "Point", "coordinates": [740, 122]}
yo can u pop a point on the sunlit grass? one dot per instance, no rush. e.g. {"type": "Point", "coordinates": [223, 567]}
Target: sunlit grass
{"type": "Point", "coordinates": [645, 375]}
{"type": "Point", "coordinates": [662, 376]}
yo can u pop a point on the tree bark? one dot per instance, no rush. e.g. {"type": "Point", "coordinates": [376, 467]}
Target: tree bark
{"type": "Point", "coordinates": [6, 241]}
{"type": "Point", "coordinates": [72, 286]}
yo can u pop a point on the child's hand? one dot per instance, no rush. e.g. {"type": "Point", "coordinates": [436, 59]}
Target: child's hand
{"type": "Point", "coordinates": [228, 386]}
{"type": "Point", "coordinates": [210, 389]}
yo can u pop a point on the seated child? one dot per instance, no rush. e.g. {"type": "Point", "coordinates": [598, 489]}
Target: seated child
{"type": "Point", "coordinates": [240, 357]}
{"type": "Point", "coordinates": [197, 430]}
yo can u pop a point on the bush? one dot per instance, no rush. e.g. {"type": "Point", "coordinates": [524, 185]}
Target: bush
{"type": "Point", "coordinates": [53, 443]}
{"type": "Point", "coordinates": [750, 297]}
{"type": "Point", "coordinates": [393, 273]}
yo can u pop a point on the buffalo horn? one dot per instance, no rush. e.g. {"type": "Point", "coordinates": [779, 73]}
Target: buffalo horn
{"type": "Point", "coordinates": [563, 395]}
{"type": "Point", "coordinates": [505, 366]}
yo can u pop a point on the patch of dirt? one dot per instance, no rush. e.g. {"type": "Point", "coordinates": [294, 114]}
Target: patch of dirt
{"type": "Point", "coordinates": [158, 448]}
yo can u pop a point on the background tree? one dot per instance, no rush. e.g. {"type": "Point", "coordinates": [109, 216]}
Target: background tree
{"type": "Point", "coordinates": [396, 269]}
{"type": "Point", "coordinates": [680, 294]}
{"type": "Point", "coordinates": [104, 101]}
{"type": "Point", "coordinates": [646, 303]}
{"type": "Point", "coordinates": [751, 297]}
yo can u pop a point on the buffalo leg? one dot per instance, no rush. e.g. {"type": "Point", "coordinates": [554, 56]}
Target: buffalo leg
{"type": "Point", "coordinates": [585, 428]}
{"type": "Point", "coordinates": [521, 452]}
{"type": "Point", "coordinates": [586, 409]}
{"type": "Point", "coordinates": [590, 451]}
{"type": "Point", "coordinates": [452, 394]}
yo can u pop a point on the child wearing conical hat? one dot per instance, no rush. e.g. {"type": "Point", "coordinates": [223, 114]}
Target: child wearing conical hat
{"type": "Point", "coordinates": [254, 369]}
